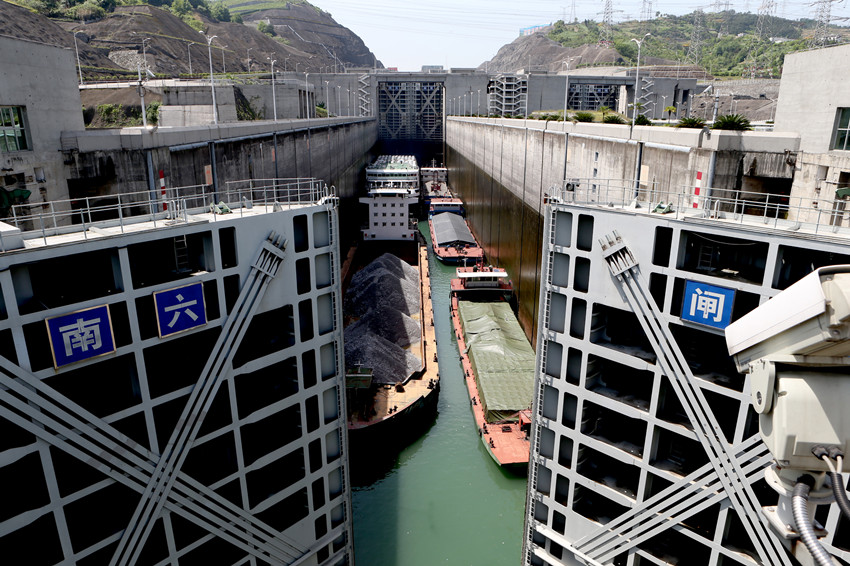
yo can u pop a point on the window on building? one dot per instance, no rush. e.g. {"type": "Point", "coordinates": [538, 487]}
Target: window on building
{"type": "Point", "coordinates": [842, 130]}
{"type": "Point", "coordinates": [392, 205]}
{"type": "Point", "coordinates": [384, 224]}
{"type": "Point", "coordinates": [384, 205]}
{"type": "Point", "coordinates": [13, 130]}
{"type": "Point", "coordinates": [384, 214]}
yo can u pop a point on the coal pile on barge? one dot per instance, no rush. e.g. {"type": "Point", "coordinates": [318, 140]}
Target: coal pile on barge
{"type": "Point", "coordinates": [383, 298]}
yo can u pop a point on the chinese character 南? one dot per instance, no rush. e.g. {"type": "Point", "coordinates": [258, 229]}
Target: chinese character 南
{"type": "Point", "coordinates": [177, 310]}
{"type": "Point", "coordinates": [708, 304]}
{"type": "Point", "coordinates": [82, 335]}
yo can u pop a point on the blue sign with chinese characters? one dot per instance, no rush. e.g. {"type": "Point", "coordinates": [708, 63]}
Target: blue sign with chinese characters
{"type": "Point", "coordinates": [80, 335]}
{"type": "Point", "coordinates": [180, 309]}
{"type": "Point", "coordinates": [708, 304]}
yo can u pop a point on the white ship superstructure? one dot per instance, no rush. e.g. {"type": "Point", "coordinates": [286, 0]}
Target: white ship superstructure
{"type": "Point", "coordinates": [171, 384]}
{"type": "Point", "coordinates": [392, 187]}
{"type": "Point", "coordinates": [632, 364]}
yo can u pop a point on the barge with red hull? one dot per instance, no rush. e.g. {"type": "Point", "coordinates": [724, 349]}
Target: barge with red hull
{"type": "Point", "coordinates": [497, 360]}
{"type": "Point", "coordinates": [452, 240]}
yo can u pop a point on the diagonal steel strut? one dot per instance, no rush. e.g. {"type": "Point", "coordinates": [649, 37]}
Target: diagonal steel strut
{"type": "Point", "coordinates": [624, 268]}
{"type": "Point", "coordinates": [217, 367]}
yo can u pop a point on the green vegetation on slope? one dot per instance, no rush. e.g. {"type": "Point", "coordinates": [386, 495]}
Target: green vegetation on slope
{"type": "Point", "coordinates": [96, 9]}
{"type": "Point", "coordinates": [726, 41]}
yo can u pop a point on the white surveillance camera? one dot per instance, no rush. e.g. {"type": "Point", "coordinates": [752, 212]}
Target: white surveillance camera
{"type": "Point", "coordinates": [795, 348]}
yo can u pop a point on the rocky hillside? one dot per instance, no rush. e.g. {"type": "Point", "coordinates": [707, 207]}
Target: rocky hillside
{"type": "Point", "coordinates": [309, 29]}
{"type": "Point", "coordinates": [116, 44]}
{"type": "Point", "coordinates": [539, 53]}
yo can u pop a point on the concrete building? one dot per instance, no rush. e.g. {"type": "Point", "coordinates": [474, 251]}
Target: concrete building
{"type": "Point", "coordinates": [39, 99]}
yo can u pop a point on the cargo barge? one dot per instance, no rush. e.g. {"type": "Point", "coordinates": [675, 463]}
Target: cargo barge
{"type": "Point", "coordinates": [497, 360]}
{"type": "Point", "coordinates": [452, 240]}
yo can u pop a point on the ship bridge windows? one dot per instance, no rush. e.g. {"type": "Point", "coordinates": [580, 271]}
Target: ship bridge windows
{"type": "Point", "coordinates": [82, 277]}
{"type": "Point", "coordinates": [170, 259]}
{"type": "Point", "coordinates": [792, 264]}
{"type": "Point", "coordinates": [723, 256]}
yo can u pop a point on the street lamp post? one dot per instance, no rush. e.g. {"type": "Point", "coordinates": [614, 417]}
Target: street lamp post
{"type": "Point", "coordinates": [145, 52]}
{"type": "Point", "coordinates": [248, 53]}
{"type": "Point", "coordinates": [209, 39]}
{"type": "Point", "coordinates": [478, 111]}
{"type": "Point", "coordinates": [285, 61]}
{"type": "Point", "coordinates": [637, 77]}
{"type": "Point", "coordinates": [338, 103]}
{"type": "Point", "coordinates": [223, 67]}
{"type": "Point", "coordinates": [663, 104]}
{"type": "Point", "coordinates": [189, 51]}
{"type": "Point", "coordinates": [327, 101]}
{"type": "Point", "coordinates": [274, 98]}
{"type": "Point", "coordinates": [79, 67]}
{"type": "Point", "coordinates": [307, 94]}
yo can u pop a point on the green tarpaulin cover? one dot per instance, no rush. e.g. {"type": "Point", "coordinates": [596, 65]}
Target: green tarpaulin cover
{"type": "Point", "coordinates": [501, 357]}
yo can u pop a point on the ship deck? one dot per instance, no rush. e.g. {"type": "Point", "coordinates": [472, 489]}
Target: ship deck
{"type": "Point", "coordinates": [456, 254]}
{"type": "Point", "coordinates": [507, 443]}
{"type": "Point", "coordinates": [388, 401]}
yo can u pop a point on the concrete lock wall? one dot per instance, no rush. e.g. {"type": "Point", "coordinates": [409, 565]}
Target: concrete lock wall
{"type": "Point", "coordinates": [529, 156]}
{"type": "Point", "coordinates": [126, 161]}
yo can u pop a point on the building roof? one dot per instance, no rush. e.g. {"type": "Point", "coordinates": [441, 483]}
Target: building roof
{"type": "Point", "coordinates": [450, 228]}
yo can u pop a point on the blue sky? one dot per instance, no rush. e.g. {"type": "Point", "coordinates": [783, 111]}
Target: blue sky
{"type": "Point", "coordinates": [464, 33]}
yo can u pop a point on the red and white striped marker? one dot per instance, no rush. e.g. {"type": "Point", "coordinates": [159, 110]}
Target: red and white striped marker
{"type": "Point", "coordinates": [697, 188]}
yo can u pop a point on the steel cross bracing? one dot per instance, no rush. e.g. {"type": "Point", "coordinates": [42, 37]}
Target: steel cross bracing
{"type": "Point", "coordinates": [26, 401]}
{"type": "Point", "coordinates": [363, 98]}
{"type": "Point", "coordinates": [672, 506]}
{"type": "Point", "coordinates": [392, 112]}
{"type": "Point", "coordinates": [163, 479]}
{"type": "Point", "coordinates": [624, 268]}
{"type": "Point", "coordinates": [429, 104]}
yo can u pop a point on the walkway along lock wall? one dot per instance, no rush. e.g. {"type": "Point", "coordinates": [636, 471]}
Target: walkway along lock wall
{"type": "Point", "coordinates": [503, 169]}
{"type": "Point", "coordinates": [104, 163]}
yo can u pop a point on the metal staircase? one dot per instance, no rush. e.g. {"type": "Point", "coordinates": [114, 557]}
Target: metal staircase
{"type": "Point", "coordinates": [732, 470]}
{"type": "Point", "coordinates": [363, 96]}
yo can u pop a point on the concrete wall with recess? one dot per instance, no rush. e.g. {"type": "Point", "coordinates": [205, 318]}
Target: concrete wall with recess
{"type": "Point", "coordinates": [129, 160]}
{"type": "Point", "coordinates": [528, 157]}
{"type": "Point", "coordinates": [43, 80]}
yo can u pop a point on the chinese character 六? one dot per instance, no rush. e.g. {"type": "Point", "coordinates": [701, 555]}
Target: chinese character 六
{"type": "Point", "coordinates": [81, 334]}
{"type": "Point", "coordinates": [707, 303]}
{"type": "Point", "coordinates": [177, 310]}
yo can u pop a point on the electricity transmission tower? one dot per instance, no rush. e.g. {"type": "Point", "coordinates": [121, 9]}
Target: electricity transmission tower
{"type": "Point", "coordinates": [696, 39]}
{"type": "Point", "coordinates": [823, 12]}
{"type": "Point", "coordinates": [755, 63]}
{"type": "Point", "coordinates": [607, 23]}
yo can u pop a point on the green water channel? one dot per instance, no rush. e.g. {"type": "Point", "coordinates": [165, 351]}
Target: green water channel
{"type": "Point", "coordinates": [441, 500]}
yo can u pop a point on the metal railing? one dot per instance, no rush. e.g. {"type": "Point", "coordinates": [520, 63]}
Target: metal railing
{"type": "Point", "coordinates": [170, 204]}
{"type": "Point", "coordinates": [771, 210]}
